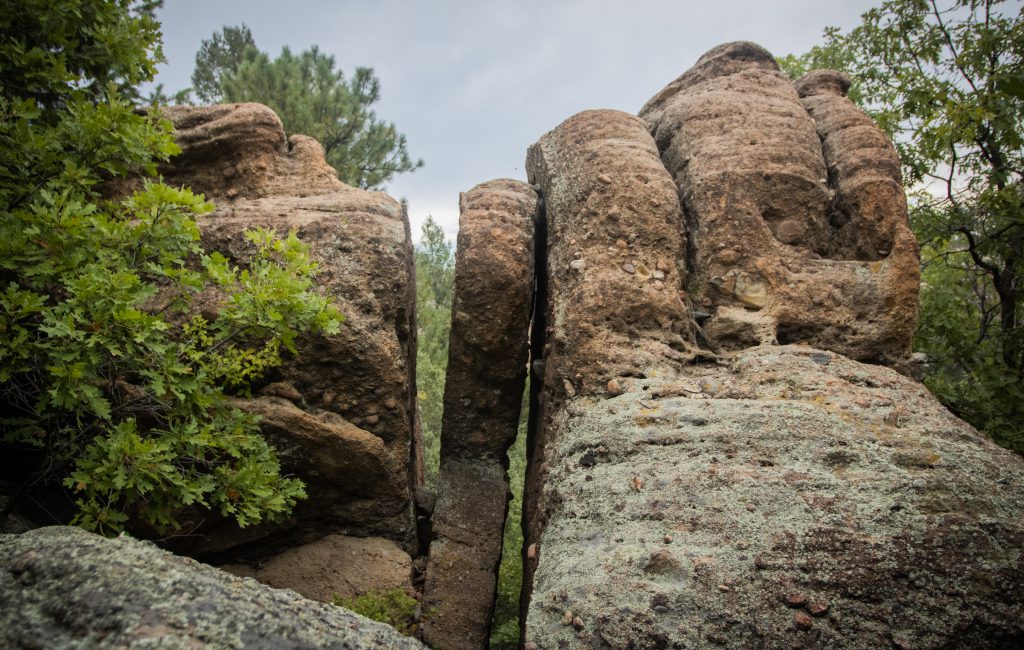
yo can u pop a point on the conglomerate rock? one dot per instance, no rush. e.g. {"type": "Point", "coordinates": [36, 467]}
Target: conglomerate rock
{"type": "Point", "coordinates": [794, 208]}
{"type": "Point", "coordinates": [65, 588]}
{"type": "Point", "coordinates": [793, 498]}
{"type": "Point", "coordinates": [691, 482]}
{"type": "Point", "coordinates": [487, 353]}
{"type": "Point", "coordinates": [342, 411]}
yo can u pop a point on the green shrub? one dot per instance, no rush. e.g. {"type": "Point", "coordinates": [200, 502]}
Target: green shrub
{"type": "Point", "coordinates": [102, 370]}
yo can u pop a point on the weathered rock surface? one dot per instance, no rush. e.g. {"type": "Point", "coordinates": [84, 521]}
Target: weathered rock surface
{"type": "Point", "coordinates": [342, 411]}
{"type": "Point", "coordinates": [615, 254]}
{"type": "Point", "coordinates": [794, 208]}
{"type": "Point", "coordinates": [336, 565]}
{"type": "Point", "coordinates": [772, 496]}
{"type": "Point", "coordinates": [611, 302]}
{"type": "Point", "coordinates": [795, 498]}
{"type": "Point", "coordinates": [487, 354]}
{"type": "Point", "coordinates": [65, 588]}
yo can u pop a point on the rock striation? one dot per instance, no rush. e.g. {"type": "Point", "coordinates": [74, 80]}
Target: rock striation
{"type": "Point", "coordinates": [487, 355]}
{"type": "Point", "coordinates": [342, 411]}
{"type": "Point", "coordinates": [794, 208]}
{"type": "Point", "coordinates": [65, 588]}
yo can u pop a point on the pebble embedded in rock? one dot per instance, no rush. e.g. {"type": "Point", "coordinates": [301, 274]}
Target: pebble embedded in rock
{"type": "Point", "coordinates": [567, 617]}
{"type": "Point", "coordinates": [629, 268]}
{"type": "Point", "coordinates": [795, 600]}
{"type": "Point", "coordinates": [818, 609]}
{"type": "Point", "coordinates": [614, 388]}
{"type": "Point", "coordinates": [604, 178]}
{"type": "Point", "coordinates": [578, 265]}
{"type": "Point", "coordinates": [577, 623]}
{"type": "Point", "coordinates": [802, 621]}
{"type": "Point", "coordinates": [667, 539]}
{"type": "Point", "coordinates": [621, 244]}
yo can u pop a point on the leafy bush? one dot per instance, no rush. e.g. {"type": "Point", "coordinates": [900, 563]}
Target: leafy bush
{"type": "Point", "coordinates": [394, 607]}
{"type": "Point", "coordinates": [101, 368]}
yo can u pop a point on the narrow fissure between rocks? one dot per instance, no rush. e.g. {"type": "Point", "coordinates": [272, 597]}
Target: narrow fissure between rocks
{"type": "Point", "coordinates": [534, 446]}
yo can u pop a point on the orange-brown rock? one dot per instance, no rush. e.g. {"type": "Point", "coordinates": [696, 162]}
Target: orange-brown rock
{"type": "Point", "coordinates": [794, 208]}
{"type": "Point", "coordinates": [487, 354]}
{"type": "Point", "coordinates": [342, 411]}
{"type": "Point", "coordinates": [616, 255]}
{"type": "Point", "coordinates": [336, 566]}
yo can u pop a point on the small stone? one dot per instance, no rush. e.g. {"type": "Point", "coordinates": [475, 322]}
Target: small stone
{"type": "Point", "coordinates": [710, 386]}
{"type": "Point", "coordinates": [621, 244]}
{"type": "Point", "coordinates": [604, 178]}
{"type": "Point", "coordinates": [638, 483]}
{"type": "Point", "coordinates": [391, 404]}
{"type": "Point", "coordinates": [728, 257]}
{"type": "Point", "coordinates": [795, 600]}
{"type": "Point", "coordinates": [817, 609]}
{"type": "Point", "coordinates": [578, 265]}
{"type": "Point", "coordinates": [371, 419]}
{"type": "Point", "coordinates": [802, 621]}
{"type": "Point", "coordinates": [577, 623]}
{"type": "Point", "coordinates": [232, 193]}
{"type": "Point", "coordinates": [614, 388]}
{"type": "Point", "coordinates": [790, 231]}
{"type": "Point", "coordinates": [658, 275]}
{"type": "Point", "coordinates": [667, 539]}
{"type": "Point", "coordinates": [724, 588]}
{"type": "Point", "coordinates": [283, 389]}
{"type": "Point", "coordinates": [570, 390]}
{"type": "Point", "coordinates": [567, 617]}
{"type": "Point", "coordinates": [750, 507]}
{"type": "Point", "coordinates": [531, 551]}
{"type": "Point", "coordinates": [662, 265]}
{"type": "Point", "coordinates": [629, 268]}
{"type": "Point", "coordinates": [821, 359]}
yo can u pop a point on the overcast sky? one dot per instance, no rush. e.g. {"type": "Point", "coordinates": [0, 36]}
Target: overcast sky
{"type": "Point", "coordinates": [472, 83]}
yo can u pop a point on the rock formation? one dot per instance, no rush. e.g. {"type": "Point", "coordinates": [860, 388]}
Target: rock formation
{"type": "Point", "coordinates": [342, 412]}
{"type": "Point", "coordinates": [693, 483]}
{"type": "Point", "coordinates": [65, 588]}
{"type": "Point", "coordinates": [794, 208]}
{"type": "Point", "coordinates": [487, 354]}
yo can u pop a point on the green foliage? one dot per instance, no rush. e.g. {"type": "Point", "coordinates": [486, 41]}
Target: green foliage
{"type": "Point", "coordinates": [101, 367]}
{"type": "Point", "coordinates": [947, 83]}
{"type": "Point", "coordinates": [435, 271]}
{"type": "Point", "coordinates": [395, 608]}
{"type": "Point", "coordinates": [505, 622]}
{"type": "Point", "coordinates": [311, 97]}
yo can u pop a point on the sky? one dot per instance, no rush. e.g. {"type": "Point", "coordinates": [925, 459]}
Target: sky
{"type": "Point", "coordinates": [473, 83]}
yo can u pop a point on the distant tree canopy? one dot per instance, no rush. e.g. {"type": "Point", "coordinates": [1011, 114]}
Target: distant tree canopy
{"type": "Point", "coordinates": [946, 81]}
{"type": "Point", "coordinates": [312, 97]}
{"type": "Point", "coordinates": [112, 391]}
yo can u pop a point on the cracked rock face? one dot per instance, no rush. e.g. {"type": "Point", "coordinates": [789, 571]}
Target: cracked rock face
{"type": "Point", "coordinates": [65, 588]}
{"type": "Point", "coordinates": [342, 411]}
{"type": "Point", "coordinates": [794, 208]}
{"type": "Point", "coordinates": [487, 354]}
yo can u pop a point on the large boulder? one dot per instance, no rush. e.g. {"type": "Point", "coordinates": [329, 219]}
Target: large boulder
{"type": "Point", "coordinates": [65, 588]}
{"type": "Point", "coordinates": [342, 411]}
{"type": "Point", "coordinates": [794, 208]}
{"type": "Point", "coordinates": [487, 354]}
{"type": "Point", "coordinates": [694, 484]}
{"type": "Point", "coordinates": [793, 498]}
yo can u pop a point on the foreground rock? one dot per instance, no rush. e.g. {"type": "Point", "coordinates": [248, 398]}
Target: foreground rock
{"type": "Point", "coordinates": [792, 499]}
{"type": "Point", "coordinates": [794, 208]}
{"type": "Point", "coordinates": [65, 588]}
{"type": "Point", "coordinates": [491, 304]}
{"type": "Point", "coordinates": [341, 412]}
